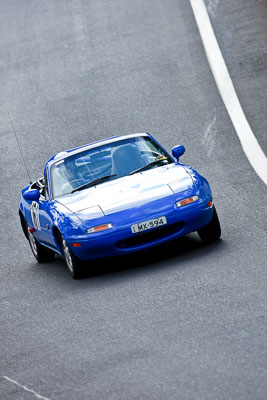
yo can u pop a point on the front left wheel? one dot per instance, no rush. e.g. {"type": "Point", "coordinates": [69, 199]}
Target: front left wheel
{"type": "Point", "coordinates": [211, 232]}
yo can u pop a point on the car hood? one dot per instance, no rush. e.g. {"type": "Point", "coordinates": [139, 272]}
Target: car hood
{"type": "Point", "coordinates": [129, 191]}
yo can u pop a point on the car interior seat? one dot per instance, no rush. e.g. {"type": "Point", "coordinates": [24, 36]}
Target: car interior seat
{"type": "Point", "coordinates": [125, 159]}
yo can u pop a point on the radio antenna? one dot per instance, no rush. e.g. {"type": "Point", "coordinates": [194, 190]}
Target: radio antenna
{"type": "Point", "coordinates": [24, 162]}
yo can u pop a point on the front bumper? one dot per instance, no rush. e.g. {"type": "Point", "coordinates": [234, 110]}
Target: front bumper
{"type": "Point", "coordinates": [120, 239]}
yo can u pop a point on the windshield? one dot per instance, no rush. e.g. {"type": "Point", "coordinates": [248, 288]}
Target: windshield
{"type": "Point", "coordinates": [104, 163]}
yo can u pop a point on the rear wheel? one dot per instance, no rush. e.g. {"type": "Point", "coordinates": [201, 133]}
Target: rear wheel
{"type": "Point", "coordinates": [212, 231]}
{"type": "Point", "coordinates": [41, 253]}
{"type": "Point", "coordinates": [72, 262]}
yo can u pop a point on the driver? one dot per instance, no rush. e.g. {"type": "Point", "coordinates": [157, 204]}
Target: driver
{"type": "Point", "coordinates": [71, 170]}
{"type": "Point", "coordinates": [72, 176]}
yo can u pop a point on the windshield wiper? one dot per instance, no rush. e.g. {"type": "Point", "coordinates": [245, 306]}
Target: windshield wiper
{"type": "Point", "coordinates": [93, 183]}
{"type": "Point", "coordinates": [147, 166]}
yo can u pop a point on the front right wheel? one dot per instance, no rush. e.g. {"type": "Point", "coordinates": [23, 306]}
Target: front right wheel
{"type": "Point", "coordinates": [212, 231]}
{"type": "Point", "coordinates": [72, 262]}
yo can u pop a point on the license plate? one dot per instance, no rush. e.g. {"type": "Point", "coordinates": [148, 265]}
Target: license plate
{"type": "Point", "coordinates": [152, 223]}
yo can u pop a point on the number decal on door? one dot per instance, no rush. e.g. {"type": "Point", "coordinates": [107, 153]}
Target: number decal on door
{"type": "Point", "coordinates": [35, 215]}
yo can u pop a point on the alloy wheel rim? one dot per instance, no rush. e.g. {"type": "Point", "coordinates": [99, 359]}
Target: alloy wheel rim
{"type": "Point", "coordinates": [33, 244]}
{"type": "Point", "coordinates": [67, 256]}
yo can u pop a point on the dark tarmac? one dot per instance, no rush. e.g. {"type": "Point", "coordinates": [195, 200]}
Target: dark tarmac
{"type": "Point", "coordinates": [183, 321]}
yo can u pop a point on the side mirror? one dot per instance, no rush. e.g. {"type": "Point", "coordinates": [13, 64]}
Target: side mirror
{"type": "Point", "coordinates": [178, 151]}
{"type": "Point", "coordinates": [31, 195]}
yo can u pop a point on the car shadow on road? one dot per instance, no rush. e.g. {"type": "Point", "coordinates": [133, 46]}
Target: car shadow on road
{"type": "Point", "coordinates": [178, 252]}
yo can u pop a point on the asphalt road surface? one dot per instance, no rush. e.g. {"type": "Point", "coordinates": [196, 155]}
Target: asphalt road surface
{"type": "Point", "coordinates": [182, 321]}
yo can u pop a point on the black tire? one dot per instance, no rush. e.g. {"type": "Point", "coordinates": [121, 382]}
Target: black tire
{"type": "Point", "coordinates": [72, 262]}
{"type": "Point", "coordinates": [211, 232]}
{"type": "Point", "coordinates": [41, 253]}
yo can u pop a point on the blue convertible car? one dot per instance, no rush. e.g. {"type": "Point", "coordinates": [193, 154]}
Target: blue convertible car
{"type": "Point", "coordinates": [115, 196]}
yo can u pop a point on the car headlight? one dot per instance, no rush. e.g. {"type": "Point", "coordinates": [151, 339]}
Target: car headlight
{"type": "Point", "coordinates": [182, 184]}
{"type": "Point", "coordinates": [99, 228]}
{"type": "Point", "coordinates": [186, 201]}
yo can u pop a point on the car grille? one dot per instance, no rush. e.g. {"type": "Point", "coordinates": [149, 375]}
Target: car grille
{"type": "Point", "coordinates": [146, 237]}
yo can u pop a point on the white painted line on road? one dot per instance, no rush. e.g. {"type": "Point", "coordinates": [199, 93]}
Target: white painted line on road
{"type": "Point", "coordinates": [38, 396]}
{"type": "Point", "coordinates": [226, 88]}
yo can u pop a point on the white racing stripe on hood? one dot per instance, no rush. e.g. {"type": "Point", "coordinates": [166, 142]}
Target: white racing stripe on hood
{"type": "Point", "coordinates": [129, 191]}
